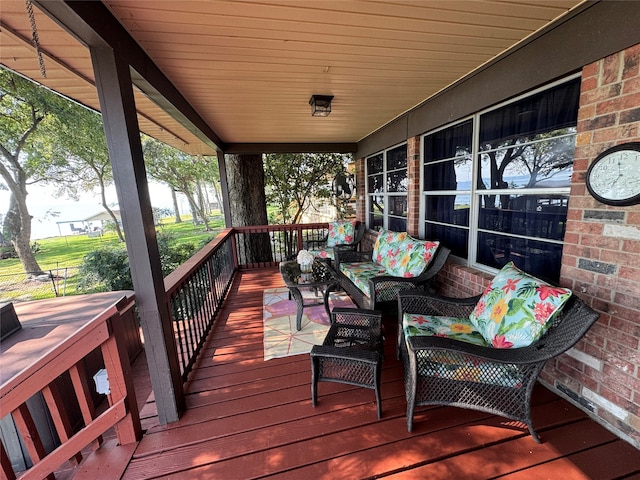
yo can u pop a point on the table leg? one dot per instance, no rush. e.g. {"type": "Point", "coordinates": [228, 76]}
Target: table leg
{"type": "Point", "coordinates": [332, 287]}
{"type": "Point", "coordinates": [297, 296]}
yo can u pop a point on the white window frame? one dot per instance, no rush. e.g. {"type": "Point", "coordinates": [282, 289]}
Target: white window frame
{"type": "Point", "coordinates": [385, 194]}
{"type": "Point", "coordinates": [474, 210]}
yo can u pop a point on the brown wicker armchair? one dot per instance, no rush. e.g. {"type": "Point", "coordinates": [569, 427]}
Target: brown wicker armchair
{"type": "Point", "coordinates": [446, 371]}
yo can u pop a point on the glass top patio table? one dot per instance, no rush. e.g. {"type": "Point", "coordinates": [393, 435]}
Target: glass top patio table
{"type": "Point", "coordinates": [321, 278]}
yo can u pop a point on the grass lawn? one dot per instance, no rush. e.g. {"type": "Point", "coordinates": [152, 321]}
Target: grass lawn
{"type": "Point", "coordinates": [59, 253]}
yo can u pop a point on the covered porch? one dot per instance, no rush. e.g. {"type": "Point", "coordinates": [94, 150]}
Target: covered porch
{"type": "Point", "coordinates": [403, 74]}
{"type": "Point", "coordinates": [247, 418]}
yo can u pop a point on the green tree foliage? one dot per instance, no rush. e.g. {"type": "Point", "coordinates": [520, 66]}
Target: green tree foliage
{"type": "Point", "coordinates": [84, 159]}
{"type": "Point", "coordinates": [181, 171]}
{"type": "Point", "coordinates": [28, 122]}
{"type": "Point", "coordinates": [294, 179]}
{"type": "Point", "coordinates": [107, 269]}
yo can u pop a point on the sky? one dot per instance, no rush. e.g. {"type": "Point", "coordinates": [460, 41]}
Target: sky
{"type": "Point", "coordinates": [41, 202]}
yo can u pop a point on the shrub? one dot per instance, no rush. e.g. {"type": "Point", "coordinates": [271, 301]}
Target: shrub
{"type": "Point", "coordinates": [107, 269]}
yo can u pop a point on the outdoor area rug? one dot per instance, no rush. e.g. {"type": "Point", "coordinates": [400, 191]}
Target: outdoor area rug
{"type": "Point", "coordinates": [281, 338]}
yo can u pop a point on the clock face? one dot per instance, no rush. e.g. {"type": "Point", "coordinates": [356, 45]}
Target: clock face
{"type": "Point", "coordinates": [614, 176]}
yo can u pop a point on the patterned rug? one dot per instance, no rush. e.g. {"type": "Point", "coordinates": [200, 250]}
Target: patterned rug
{"type": "Point", "coordinates": [281, 338]}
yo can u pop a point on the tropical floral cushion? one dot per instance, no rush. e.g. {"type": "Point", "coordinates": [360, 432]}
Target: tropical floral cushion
{"type": "Point", "coordinates": [452, 365]}
{"type": "Point", "coordinates": [516, 309]}
{"type": "Point", "coordinates": [340, 233]}
{"type": "Point", "coordinates": [456, 328]}
{"type": "Point", "coordinates": [322, 253]}
{"type": "Point", "coordinates": [360, 273]}
{"type": "Point", "coordinates": [401, 255]}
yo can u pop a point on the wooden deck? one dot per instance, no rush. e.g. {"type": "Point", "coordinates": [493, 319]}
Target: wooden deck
{"type": "Point", "coordinates": [248, 418]}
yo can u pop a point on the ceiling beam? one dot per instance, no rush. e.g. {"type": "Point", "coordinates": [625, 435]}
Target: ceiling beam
{"type": "Point", "coordinates": [92, 24]}
{"type": "Point", "coordinates": [248, 148]}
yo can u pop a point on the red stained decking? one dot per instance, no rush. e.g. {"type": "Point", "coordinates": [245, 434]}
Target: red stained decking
{"type": "Point", "coordinates": [247, 418]}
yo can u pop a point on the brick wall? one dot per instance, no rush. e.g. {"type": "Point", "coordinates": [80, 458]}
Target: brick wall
{"type": "Point", "coordinates": [413, 195]}
{"type": "Point", "coordinates": [601, 257]}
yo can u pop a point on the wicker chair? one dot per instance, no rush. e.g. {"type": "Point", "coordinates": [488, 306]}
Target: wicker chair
{"type": "Point", "coordinates": [444, 371]}
{"type": "Point", "coordinates": [320, 249]}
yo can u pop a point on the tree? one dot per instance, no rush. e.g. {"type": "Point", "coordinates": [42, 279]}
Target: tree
{"type": "Point", "coordinates": [82, 145]}
{"type": "Point", "coordinates": [248, 206]}
{"type": "Point", "coordinates": [27, 118]}
{"type": "Point", "coordinates": [294, 179]}
{"type": "Point", "coordinates": [178, 170]}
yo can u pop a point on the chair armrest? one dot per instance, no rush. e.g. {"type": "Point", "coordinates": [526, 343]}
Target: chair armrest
{"type": "Point", "coordinates": [350, 353]}
{"type": "Point", "coordinates": [347, 256]}
{"type": "Point", "coordinates": [318, 242]}
{"type": "Point", "coordinates": [425, 303]}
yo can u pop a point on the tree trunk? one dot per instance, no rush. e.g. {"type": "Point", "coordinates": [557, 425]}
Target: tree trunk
{"type": "Point", "coordinates": [105, 205]}
{"type": "Point", "coordinates": [176, 208]}
{"type": "Point", "coordinates": [17, 227]}
{"type": "Point", "coordinates": [248, 205]}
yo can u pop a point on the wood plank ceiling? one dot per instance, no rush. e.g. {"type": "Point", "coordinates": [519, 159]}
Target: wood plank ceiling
{"type": "Point", "coordinates": [249, 67]}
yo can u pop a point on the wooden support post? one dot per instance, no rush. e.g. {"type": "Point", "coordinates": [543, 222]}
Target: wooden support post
{"type": "Point", "coordinates": [115, 91]}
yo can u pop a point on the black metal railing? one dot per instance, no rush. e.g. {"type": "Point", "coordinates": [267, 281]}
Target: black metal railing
{"type": "Point", "coordinates": [196, 290]}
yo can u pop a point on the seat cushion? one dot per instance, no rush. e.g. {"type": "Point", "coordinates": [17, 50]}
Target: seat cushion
{"type": "Point", "coordinates": [360, 272]}
{"type": "Point", "coordinates": [428, 325]}
{"type": "Point", "coordinates": [322, 253]}
{"type": "Point", "coordinates": [402, 255]}
{"type": "Point", "coordinates": [452, 365]}
{"type": "Point", "coordinates": [516, 309]}
{"type": "Point", "coordinates": [340, 233]}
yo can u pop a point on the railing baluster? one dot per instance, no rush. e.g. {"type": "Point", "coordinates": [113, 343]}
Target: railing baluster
{"type": "Point", "coordinates": [78, 375]}
{"type": "Point", "coordinates": [27, 427]}
{"type": "Point", "coordinates": [58, 412]}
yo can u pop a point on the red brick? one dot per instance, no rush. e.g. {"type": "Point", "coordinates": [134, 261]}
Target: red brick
{"type": "Point", "coordinates": [629, 272]}
{"type": "Point", "coordinates": [631, 62]}
{"type": "Point", "coordinates": [590, 70]}
{"type": "Point", "coordinates": [631, 246]}
{"type": "Point", "coordinates": [600, 94]}
{"type": "Point", "coordinates": [631, 85]}
{"type": "Point", "coordinates": [611, 69]}
{"type": "Point", "coordinates": [585, 227]}
{"type": "Point", "coordinates": [619, 133]}
{"type": "Point", "coordinates": [599, 241]}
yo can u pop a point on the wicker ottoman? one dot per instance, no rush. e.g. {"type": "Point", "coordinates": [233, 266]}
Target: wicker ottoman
{"type": "Point", "coordinates": [351, 352]}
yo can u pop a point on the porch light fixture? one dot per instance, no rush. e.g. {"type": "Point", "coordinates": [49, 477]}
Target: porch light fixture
{"type": "Point", "coordinates": [320, 105]}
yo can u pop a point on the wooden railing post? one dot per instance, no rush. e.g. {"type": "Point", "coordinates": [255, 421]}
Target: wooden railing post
{"type": "Point", "coordinates": [116, 362]}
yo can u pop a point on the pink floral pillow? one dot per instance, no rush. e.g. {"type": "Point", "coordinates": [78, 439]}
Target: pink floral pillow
{"type": "Point", "coordinates": [516, 309]}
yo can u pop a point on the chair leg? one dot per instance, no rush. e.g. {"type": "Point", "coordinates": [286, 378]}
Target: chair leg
{"type": "Point", "coordinates": [378, 368]}
{"type": "Point", "coordinates": [314, 380]}
{"type": "Point", "coordinates": [535, 436]}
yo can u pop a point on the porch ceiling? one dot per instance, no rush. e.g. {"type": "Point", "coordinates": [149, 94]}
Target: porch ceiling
{"type": "Point", "coordinates": [248, 68]}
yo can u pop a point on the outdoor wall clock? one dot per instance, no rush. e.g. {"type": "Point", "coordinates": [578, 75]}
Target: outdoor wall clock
{"type": "Point", "coordinates": [614, 176]}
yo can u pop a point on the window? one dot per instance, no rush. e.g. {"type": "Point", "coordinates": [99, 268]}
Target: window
{"type": "Point", "coordinates": [387, 186]}
{"type": "Point", "coordinates": [496, 186]}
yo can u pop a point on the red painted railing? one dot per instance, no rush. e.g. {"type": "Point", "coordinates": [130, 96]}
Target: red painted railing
{"type": "Point", "coordinates": [105, 334]}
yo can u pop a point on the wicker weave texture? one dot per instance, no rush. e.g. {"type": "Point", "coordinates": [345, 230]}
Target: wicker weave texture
{"type": "Point", "coordinates": [442, 371]}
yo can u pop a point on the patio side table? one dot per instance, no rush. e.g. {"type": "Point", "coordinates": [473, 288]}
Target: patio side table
{"type": "Point", "coordinates": [321, 278]}
{"type": "Point", "coordinates": [351, 352]}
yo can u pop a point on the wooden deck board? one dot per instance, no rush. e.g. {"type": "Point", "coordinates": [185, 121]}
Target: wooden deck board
{"type": "Point", "coordinates": [247, 418]}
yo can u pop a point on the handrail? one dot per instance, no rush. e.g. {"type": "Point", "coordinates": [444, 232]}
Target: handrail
{"type": "Point", "coordinates": [195, 292]}
{"type": "Point", "coordinates": [105, 333]}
